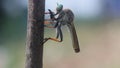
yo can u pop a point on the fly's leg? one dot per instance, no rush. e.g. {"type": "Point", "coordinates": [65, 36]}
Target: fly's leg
{"type": "Point", "coordinates": [59, 35]}
{"type": "Point", "coordinates": [46, 23]}
{"type": "Point", "coordinates": [57, 32]}
{"type": "Point", "coordinates": [54, 39]}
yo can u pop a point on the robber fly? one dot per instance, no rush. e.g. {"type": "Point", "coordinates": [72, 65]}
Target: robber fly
{"type": "Point", "coordinates": [64, 17]}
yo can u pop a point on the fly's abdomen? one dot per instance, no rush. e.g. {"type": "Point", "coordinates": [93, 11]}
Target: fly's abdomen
{"type": "Point", "coordinates": [74, 37]}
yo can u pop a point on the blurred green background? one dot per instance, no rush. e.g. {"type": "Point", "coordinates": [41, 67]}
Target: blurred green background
{"type": "Point", "coordinates": [97, 24]}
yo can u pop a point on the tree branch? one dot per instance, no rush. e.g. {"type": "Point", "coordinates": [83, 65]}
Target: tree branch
{"type": "Point", "coordinates": [35, 34]}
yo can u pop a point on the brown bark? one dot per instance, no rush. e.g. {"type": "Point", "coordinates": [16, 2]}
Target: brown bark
{"type": "Point", "coordinates": [35, 34]}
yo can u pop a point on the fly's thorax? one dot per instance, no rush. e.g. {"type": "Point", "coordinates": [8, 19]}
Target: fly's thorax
{"type": "Point", "coordinates": [66, 16]}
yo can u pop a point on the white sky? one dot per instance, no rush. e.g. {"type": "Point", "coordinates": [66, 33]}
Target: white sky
{"type": "Point", "coordinates": [83, 8]}
{"type": "Point", "coordinates": [86, 8]}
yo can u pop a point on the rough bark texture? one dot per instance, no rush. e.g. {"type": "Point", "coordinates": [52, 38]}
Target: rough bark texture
{"type": "Point", "coordinates": [35, 34]}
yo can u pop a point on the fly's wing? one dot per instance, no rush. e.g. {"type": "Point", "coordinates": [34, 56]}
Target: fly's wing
{"type": "Point", "coordinates": [74, 37]}
{"type": "Point", "coordinates": [69, 19]}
